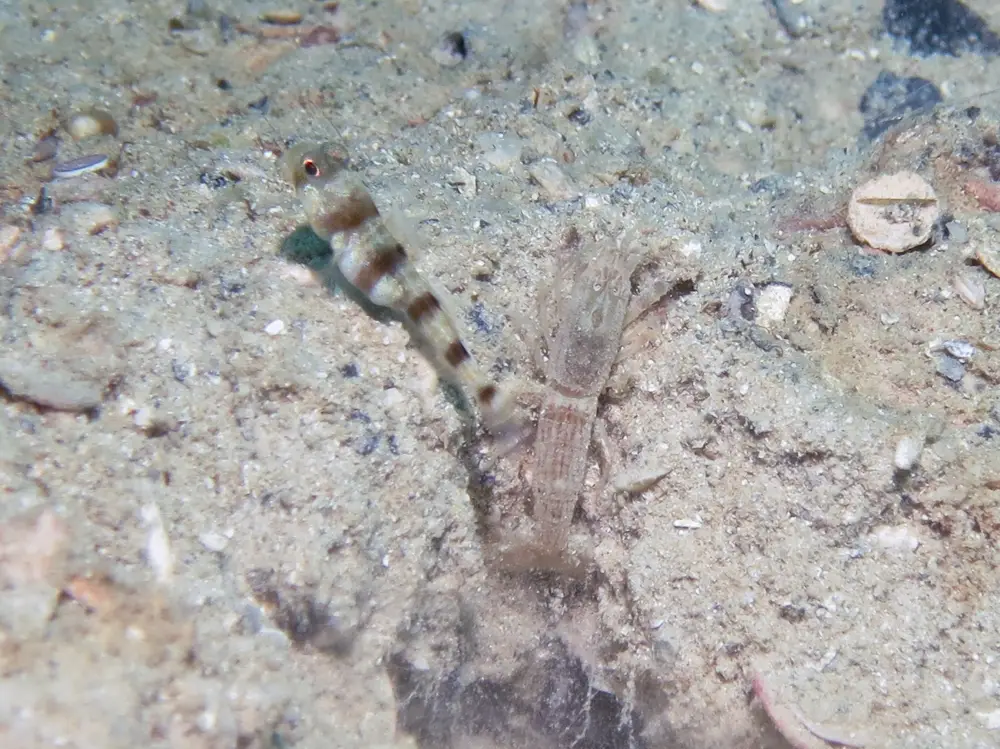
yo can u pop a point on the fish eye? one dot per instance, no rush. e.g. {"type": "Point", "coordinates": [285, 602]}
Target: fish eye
{"type": "Point", "coordinates": [310, 168]}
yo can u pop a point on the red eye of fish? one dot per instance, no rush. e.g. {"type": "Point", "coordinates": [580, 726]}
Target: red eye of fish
{"type": "Point", "coordinates": [310, 168]}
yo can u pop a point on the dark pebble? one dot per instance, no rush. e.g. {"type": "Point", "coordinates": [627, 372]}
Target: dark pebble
{"type": "Point", "coordinates": [938, 27]}
{"type": "Point", "coordinates": [986, 431]}
{"type": "Point", "coordinates": [369, 445]}
{"type": "Point", "coordinates": [478, 317]}
{"type": "Point", "coordinates": [349, 371]}
{"type": "Point", "coordinates": [46, 148]}
{"type": "Point", "coordinates": [261, 106]}
{"type": "Point", "coordinates": [742, 303]}
{"type": "Point", "coordinates": [579, 116]}
{"type": "Point", "coordinates": [863, 266]}
{"type": "Point", "coordinates": [42, 204]}
{"type": "Point", "coordinates": [891, 98]}
{"type": "Point", "coordinates": [792, 20]}
{"type": "Point", "coordinates": [217, 181]}
{"type": "Point", "coordinates": [320, 35]}
{"type": "Point", "coordinates": [229, 289]}
{"type": "Point", "coordinates": [951, 369]}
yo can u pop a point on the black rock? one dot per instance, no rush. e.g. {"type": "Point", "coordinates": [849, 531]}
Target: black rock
{"type": "Point", "coordinates": [891, 98]}
{"type": "Point", "coordinates": [939, 27]}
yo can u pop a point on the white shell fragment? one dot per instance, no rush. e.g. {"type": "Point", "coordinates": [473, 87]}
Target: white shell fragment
{"type": "Point", "coordinates": [970, 289]}
{"type": "Point", "coordinates": [158, 554]}
{"type": "Point", "coordinates": [957, 348]}
{"type": "Point", "coordinates": [687, 524]}
{"type": "Point", "coordinates": [894, 212]}
{"type": "Point", "coordinates": [908, 451]}
{"type": "Point", "coordinates": [898, 538]}
{"type": "Point", "coordinates": [772, 304]}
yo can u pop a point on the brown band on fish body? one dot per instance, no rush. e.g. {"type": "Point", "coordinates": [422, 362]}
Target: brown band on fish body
{"type": "Point", "coordinates": [456, 354]}
{"type": "Point", "coordinates": [486, 394]}
{"type": "Point", "coordinates": [385, 263]}
{"type": "Point", "coordinates": [424, 305]}
{"type": "Point", "coordinates": [350, 213]}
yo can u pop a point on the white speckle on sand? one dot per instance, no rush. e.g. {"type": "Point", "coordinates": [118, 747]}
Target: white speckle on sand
{"type": "Point", "coordinates": [898, 538]}
{"type": "Point", "coordinates": [158, 553]}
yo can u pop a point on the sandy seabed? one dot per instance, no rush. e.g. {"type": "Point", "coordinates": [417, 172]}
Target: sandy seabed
{"type": "Point", "coordinates": [239, 511]}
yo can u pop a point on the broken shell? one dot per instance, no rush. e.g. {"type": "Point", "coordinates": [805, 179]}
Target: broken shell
{"type": "Point", "coordinates": [91, 122]}
{"type": "Point", "coordinates": [894, 212]}
{"type": "Point", "coordinates": [989, 259]}
{"type": "Point", "coordinates": [75, 167]}
{"type": "Point", "coordinates": [970, 289]}
{"type": "Point", "coordinates": [956, 348]}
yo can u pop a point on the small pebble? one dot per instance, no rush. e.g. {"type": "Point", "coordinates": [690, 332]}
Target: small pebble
{"type": "Point", "coordinates": [31, 555]}
{"type": "Point", "coordinates": [954, 347]}
{"type": "Point", "coordinates": [213, 541]}
{"type": "Point", "coordinates": [320, 35]}
{"type": "Point", "coordinates": [464, 181]}
{"type": "Point", "coordinates": [91, 122]}
{"type": "Point", "coordinates": [989, 259]}
{"type": "Point", "coordinates": [281, 17]}
{"type": "Point", "coordinates": [75, 167]}
{"type": "Point", "coordinates": [45, 149]}
{"type": "Point", "coordinates": [500, 151]}
{"type": "Point", "coordinates": [891, 98]}
{"type": "Point", "coordinates": [970, 289]}
{"type": "Point", "coordinates": [9, 236]}
{"type": "Point", "coordinates": [587, 51]}
{"type": "Point", "coordinates": [958, 232]}
{"type": "Point", "coordinates": [951, 369]}
{"type": "Point", "coordinates": [938, 27]}
{"type": "Point", "coordinates": [53, 239]}
{"type": "Point", "coordinates": [90, 218]}
{"type": "Point", "coordinates": [274, 327]}
{"type": "Point", "coordinates": [894, 212]}
{"type": "Point", "coordinates": [553, 181]}
{"type": "Point", "coordinates": [49, 387]}
{"type": "Point", "coordinates": [908, 451]}
{"type": "Point", "coordinates": [900, 538]}
{"type": "Point", "coordinates": [991, 720]}
{"type": "Point", "coordinates": [772, 304]}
